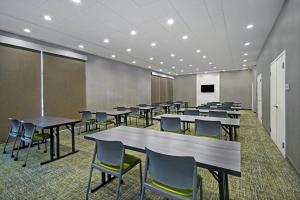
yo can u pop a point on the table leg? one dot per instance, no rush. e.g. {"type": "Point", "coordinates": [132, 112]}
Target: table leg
{"type": "Point", "coordinates": [51, 144]}
{"type": "Point", "coordinates": [73, 137]}
{"type": "Point", "coordinates": [151, 115]}
{"type": "Point", "coordinates": [223, 186]}
{"type": "Point", "coordinates": [117, 120]}
{"type": "Point", "coordinates": [125, 120]}
{"type": "Point", "coordinates": [146, 112]}
{"type": "Point", "coordinates": [166, 110]}
{"type": "Point", "coordinates": [57, 142]}
{"type": "Point", "coordinates": [230, 133]}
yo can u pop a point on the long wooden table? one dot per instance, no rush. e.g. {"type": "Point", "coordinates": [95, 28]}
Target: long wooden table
{"type": "Point", "coordinates": [53, 124]}
{"type": "Point", "coordinates": [221, 158]}
{"type": "Point", "coordinates": [233, 113]}
{"type": "Point", "coordinates": [228, 124]}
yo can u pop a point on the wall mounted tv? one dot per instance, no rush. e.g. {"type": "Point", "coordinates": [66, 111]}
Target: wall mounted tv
{"type": "Point", "coordinates": [207, 88]}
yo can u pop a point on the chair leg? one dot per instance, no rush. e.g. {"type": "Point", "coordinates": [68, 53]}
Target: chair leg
{"type": "Point", "coordinates": [12, 151]}
{"type": "Point", "coordinates": [29, 147]}
{"type": "Point", "coordinates": [119, 188]}
{"type": "Point", "coordinates": [141, 178]}
{"type": "Point", "coordinates": [89, 184]}
{"type": "Point", "coordinates": [6, 143]}
{"type": "Point", "coordinates": [16, 158]}
{"type": "Point", "coordinates": [80, 129]}
{"type": "Point", "coordinates": [143, 193]}
{"type": "Point", "coordinates": [201, 191]}
{"type": "Point", "coordinates": [38, 146]}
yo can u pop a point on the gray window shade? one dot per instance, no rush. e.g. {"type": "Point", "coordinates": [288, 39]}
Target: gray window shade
{"type": "Point", "coordinates": [64, 86]}
{"type": "Point", "coordinates": [19, 85]}
{"type": "Point", "coordinates": [161, 89]}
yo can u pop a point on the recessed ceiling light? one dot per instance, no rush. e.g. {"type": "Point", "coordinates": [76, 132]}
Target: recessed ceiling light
{"type": "Point", "coordinates": [190, 65]}
{"type": "Point", "coordinates": [205, 72]}
{"type": "Point", "coordinates": [128, 50]}
{"type": "Point", "coordinates": [247, 43]}
{"type": "Point", "coordinates": [133, 62]}
{"type": "Point", "coordinates": [47, 18]}
{"type": "Point", "coordinates": [161, 62]}
{"type": "Point", "coordinates": [182, 70]}
{"type": "Point", "coordinates": [245, 68]}
{"type": "Point", "coordinates": [203, 57]}
{"type": "Point", "coordinates": [244, 65]}
{"type": "Point", "coordinates": [185, 37]}
{"type": "Point", "coordinates": [169, 72]}
{"type": "Point", "coordinates": [149, 67]}
{"type": "Point", "coordinates": [172, 54]}
{"type": "Point", "coordinates": [133, 32]}
{"type": "Point", "coordinates": [76, 1]}
{"type": "Point", "coordinates": [245, 54]}
{"type": "Point", "coordinates": [160, 70]}
{"type": "Point", "coordinates": [81, 46]}
{"type": "Point", "coordinates": [153, 44]}
{"type": "Point", "coordinates": [223, 70]}
{"type": "Point", "coordinates": [113, 56]}
{"type": "Point", "coordinates": [210, 63]}
{"type": "Point", "coordinates": [170, 21]}
{"type": "Point", "coordinates": [27, 30]}
{"type": "Point", "coordinates": [180, 59]}
{"type": "Point", "coordinates": [198, 51]}
{"type": "Point", "coordinates": [215, 67]}
{"type": "Point", "coordinates": [151, 58]}
{"type": "Point", "coordinates": [249, 26]}
{"type": "Point", "coordinates": [173, 67]}
{"type": "Point", "coordinates": [106, 40]}
{"type": "Point", "coordinates": [176, 74]}
{"type": "Point", "coordinates": [245, 60]}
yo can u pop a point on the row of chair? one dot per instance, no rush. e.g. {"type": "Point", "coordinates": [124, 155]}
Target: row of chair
{"type": "Point", "coordinates": [27, 134]}
{"type": "Point", "coordinates": [181, 181]}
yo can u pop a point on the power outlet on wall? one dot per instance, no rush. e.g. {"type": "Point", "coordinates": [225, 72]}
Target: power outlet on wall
{"type": "Point", "coordinates": [287, 87]}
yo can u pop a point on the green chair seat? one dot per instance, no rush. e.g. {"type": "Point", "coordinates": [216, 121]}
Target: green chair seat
{"type": "Point", "coordinates": [209, 137]}
{"type": "Point", "coordinates": [182, 192]}
{"type": "Point", "coordinates": [38, 137]}
{"type": "Point", "coordinates": [107, 122]}
{"type": "Point", "coordinates": [129, 160]}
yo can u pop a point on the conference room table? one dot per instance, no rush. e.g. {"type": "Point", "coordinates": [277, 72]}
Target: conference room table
{"type": "Point", "coordinates": [177, 106]}
{"type": "Point", "coordinates": [221, 158]}
{"type": "Point", "coordinates": [229, 125]}
{"type": "Point", "coordinates": [231, 113]}
{"type": "Point", "coordinates": [166, 107]}
{"type": "Point", "coordinates": [114, 113]}
{"type": "Point", "coordinates": [53, 124]}
{"type": "Point", "coordinates": [231, 108]}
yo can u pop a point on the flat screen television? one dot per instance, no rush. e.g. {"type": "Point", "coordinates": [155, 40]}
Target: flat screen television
{"type": "Point", "coordinates": [207, 88]}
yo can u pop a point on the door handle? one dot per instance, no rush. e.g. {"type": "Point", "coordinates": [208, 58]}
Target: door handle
{"type": "Point", "coordinates": [275, 106]}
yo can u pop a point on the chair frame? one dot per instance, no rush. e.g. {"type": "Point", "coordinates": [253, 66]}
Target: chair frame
{"type": "Point", "coordinates": [13, 134]}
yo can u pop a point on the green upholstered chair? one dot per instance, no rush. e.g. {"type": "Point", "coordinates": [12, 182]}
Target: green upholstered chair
{"type": "Point", "coordinates": [174, 177]}
{"type": "Point", "coordinates": [171, 124]}
{"type": "Point", "coordinates": [87, 120]}
{"type": "Point", "coordinates": [31, 136]}
{"type": "Point", "coordinates": [208, 129]}
{"type": "Point", "coordinates": [15, 131]}
{"type": "Point", "coordinates": [103, 120]}
{"type": "Point", "coordinates": [109, 157]}
{"type": "Point", "coordinates": [135, 114]}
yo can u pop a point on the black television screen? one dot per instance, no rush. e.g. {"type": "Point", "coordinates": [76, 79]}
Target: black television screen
{"type": "Point", "coordinates": [207, 88]}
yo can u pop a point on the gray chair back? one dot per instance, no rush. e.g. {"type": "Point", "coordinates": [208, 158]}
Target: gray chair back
{"type": "Point", "coordinates": [135, 110]}
{"type": "Point", "coordinates": [86, 116]}
{"type": "Point", "coordinates": [110, 152]}
{"type": "Point", "coordinates": [173, 171]}
{"type": "Point", "coordinates": [213, 113]}
{"type": "Point", "coordinates": [121, 108]}
{"type": "Point", "coordinates": [29, 130]}
{"type": "Point", "coordinates": [191, 112]}
{"type": "Point", "coordinates": [170, 124]}
{"type": "Point", "coordinates": [142, 105]}
{"type": "Point", "coordinates": [208, 128]}
{"type": "Point", "coordinates": [203, 107]}
{"type": "Point", "coordinates": [15, 126]}
{"type": "Point", "coordinates": [101, 117]}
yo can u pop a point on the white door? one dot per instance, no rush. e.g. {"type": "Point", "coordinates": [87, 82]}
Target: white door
{"type": "Point", "coordinates": [259, 97]}
{"type": "Point", "coordinates": [277, 102]}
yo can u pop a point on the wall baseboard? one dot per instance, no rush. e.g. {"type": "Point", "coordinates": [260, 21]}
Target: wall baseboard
{"type": "Point", "coordinates": [293, 165]}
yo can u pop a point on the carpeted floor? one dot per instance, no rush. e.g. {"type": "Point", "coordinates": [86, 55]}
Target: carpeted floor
{"type": "Point", "coordinates": [265, 173]}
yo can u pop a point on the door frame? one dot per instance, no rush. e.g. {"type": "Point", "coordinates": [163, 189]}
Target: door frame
{"type": "Point", "coordinates": [283, 53]}
{"type": "Point", "coordinates": [259, 106]}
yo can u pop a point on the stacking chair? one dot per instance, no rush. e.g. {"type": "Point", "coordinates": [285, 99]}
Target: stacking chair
{"type": "Point", "coordinates": [31, 136]}
{"type": "Point", "coordinates": [121, 108]}
{"type": "Point", "coordinates": [174, 177]}
{"type": "Point", "coordinates": [171, 124]}
{"type": "Point", "coordinates": [15, 131]}
{"type": "Point", "coordinates": [86, 119]}
{"type": "Point", "coordinates": [172, 107]}
{"type": "Point", "coordinates": [208, 129]}
{"type": "Point", "coordinates": [109, 157]}
{"type": "Point", "coordinates": [203, 107]}
{"type": "Point", "coordinates": [157, 110]}
{"type": "Point", "coordinates": [142, 105]}
{"type": "Point", "coordinates": [136, 114]}
{"type": "Point", "coordinates": [102, 120]}
{"type": "Point", "coordinates": [191, 112]}
{"type": "Point", "coordinates": [213, 113]}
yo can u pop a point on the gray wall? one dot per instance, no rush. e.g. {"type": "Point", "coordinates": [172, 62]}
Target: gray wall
{"type": "Point", "coordinates": [111, 83]}
{"type": "Point", "coordinates": [285, 36]}
{"type": "Point", "coordinates": [237, 86]}
{"type": "Point", "coordinates": [184, 88]}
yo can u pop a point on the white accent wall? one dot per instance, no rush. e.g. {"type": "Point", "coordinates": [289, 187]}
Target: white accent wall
{"type": "Point", "coordinates": [208, 79]}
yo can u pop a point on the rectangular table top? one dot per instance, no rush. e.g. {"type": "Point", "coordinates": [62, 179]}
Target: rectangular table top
{"type": "Point", "coordinates": [216, 155]}
{"type": "Point", "coordinates": [49, 122]}
{"type": "Point", "coordinates": [111, 112]}
{"type": "Point", "coordinates": [191, 118]}
{"type": "Point", "coordinates": [230, 112]}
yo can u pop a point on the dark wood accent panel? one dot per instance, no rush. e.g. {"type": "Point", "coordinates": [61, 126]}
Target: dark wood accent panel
{"type": "Point", "coordinates": [64, 86]}
{"type": "Point", "coordinates": [19, 85]}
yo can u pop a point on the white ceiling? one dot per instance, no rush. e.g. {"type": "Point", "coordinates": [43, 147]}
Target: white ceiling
{"type": "Point", "coordinates": [216, 27]}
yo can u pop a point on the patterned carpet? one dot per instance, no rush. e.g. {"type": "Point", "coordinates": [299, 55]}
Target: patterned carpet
{"type": "Point", "coordinates": [265, 174]}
